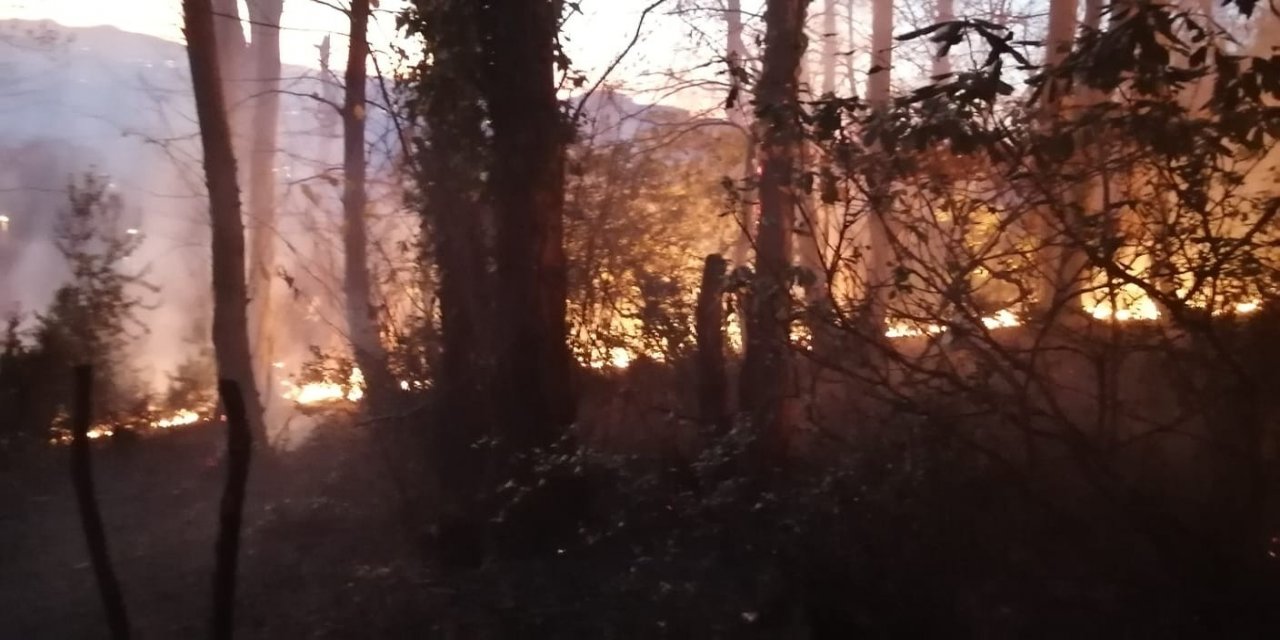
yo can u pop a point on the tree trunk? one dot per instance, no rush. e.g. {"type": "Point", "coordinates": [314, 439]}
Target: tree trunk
{"type": "Point", "coordinates": [230, 327]}
{"type": "Point", "coordinates": [946, 13]}
{"type": "Point", "coordinates": [811, 215]}
{"type": "Point", "coordinates": [527, 187]}
{"type": "Point", "coordinates": [766, 372]}
{"type": "Point", "coordinates": [880, 256]}
{"type": "Point", "coordinates": [830, 44]}
{"type": "Point", "coordinates": [362, 326]}
{"type": "Point", "coordinates": [713, 407]}
{"type": "Point", "coordinates": [533, 370]}
{"type": "Point", "coordinates": [738, 114]}
{"type": "Point", "coordinates": [264, 16]}
{"type": "Point", "coordinates": [231, 47]}
{"type": "Point", "coordinates": [850, 28]}
{"type": "Point", "coordinates": [451, 160]}
{"type": "Point", "coordinates": [231, 510]}
{"type": "Point", "coordinates": [1062, 27]}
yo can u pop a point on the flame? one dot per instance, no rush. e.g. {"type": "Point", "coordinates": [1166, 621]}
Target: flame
{"type": "Point", "coordinates": [314, 393]}
{"type": "Point", "coordinates": [1245, 308]}
{"type": "Point", "coordinates": [1138, 306]}
{"type": "Point", "coordinates": [905, 329]}
{"type": "Point", "coordinates": [911, 329]}
{"type": "Point", "coordinates": [1003, 318]}
{"type": "Point", "coordinates": [181, 418]}
{"type": "Point", "coordinates": [617, 358]}
{"type": "Point", "coordinates": [102, 431]}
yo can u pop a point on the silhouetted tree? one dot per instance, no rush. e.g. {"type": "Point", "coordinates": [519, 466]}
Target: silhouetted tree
{"type": "Point", "coordinates": [766, 374]}
{"type": "Point", "coordinates": [362, 326]}
{"type": "Point", "coordinates": [230, 296]}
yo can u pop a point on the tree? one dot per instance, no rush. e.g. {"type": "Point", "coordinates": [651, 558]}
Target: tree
{"type": "Point", "coordinates": [93, 318]}
{"type": "Point", "coordinates": [362, 326]}
{"type": "Point", "coordinates": [230, 295]}
{"type": "Point", "coordinates": [449, 158]}
{"type": "Point", "coordinates": [519, 40]}
{"type": "Point", "coordinates": [737, 108]}
{"type": "Point", "coordinates": [879, 254]}
{"type": "Point", "coordinates": [765, 378]}
{"type": "Point", "coordinates": [946, 12]}
{"type": "Point", "coordinates": [263, 55]}
{"type": "Point", "coordinates": [1053, 282]}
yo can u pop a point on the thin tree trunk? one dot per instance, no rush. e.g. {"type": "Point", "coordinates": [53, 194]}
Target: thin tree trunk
{"type": "Point", "coordinates": [849, 64]}
{"type": "Point", "coordinates": [1051, 282]}
{"type": "Point", "coordinates": [811, 218]}
{"type": "Point", "coordinates": [830, 44]}
{"type": "Point", "coordinates": [946, 13]}
{"type": "Point", "coordinates": [738, 114]}
{"type": "Point", "coordinates": [713, 401]}
{"type": "Point", "coordinates": [230, 326]}
{"type": "Point", "coordinates": [362, 325]}
{"type": "Point", "coordinates": [264, 16]}
{"type": "Point", "coordinates": [766, 367]}
{"type": "Point", "coordinates": [90, 517]}
{"type": "Point", "coordinates": [880, 256]}
{"type": "Point", "coordinates": [227, 550]}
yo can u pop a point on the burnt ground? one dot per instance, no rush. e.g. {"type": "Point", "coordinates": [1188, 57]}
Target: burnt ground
{"type": "Point", "coordinates": [326, 552]}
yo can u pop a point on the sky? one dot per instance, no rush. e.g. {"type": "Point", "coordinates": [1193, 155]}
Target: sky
{"type": "Point", "coordinates": [596, 36]}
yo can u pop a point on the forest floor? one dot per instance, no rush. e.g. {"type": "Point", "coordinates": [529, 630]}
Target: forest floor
{"type": "Point", "coordinates": [325, 552]}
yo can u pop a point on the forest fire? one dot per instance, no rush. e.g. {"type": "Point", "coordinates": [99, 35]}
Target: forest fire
{"type": "Point", "coordinates": [61, 433]}
{"type": "Point", "coordinates": [326, 392]}
{"type": "Point", "coordinates": [180, 418]}
{"type": "Point", "coordinates": [909, 329]}
{"type": "Point", "coordinates": [1140, 307]}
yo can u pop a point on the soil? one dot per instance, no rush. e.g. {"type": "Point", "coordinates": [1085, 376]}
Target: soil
{"type": "Point", "coordinates": [326, 551]}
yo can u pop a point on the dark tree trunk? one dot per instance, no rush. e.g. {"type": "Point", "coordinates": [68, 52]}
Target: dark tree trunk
{"type": "Point", "coordinates": [766, 368]}
{"type": "Point", "coordinates": [230, 323]}
{"type": "Point", "coordinates": [231, 510]}
{"type": "Point", "coordinates": [362, 325]}
{"type": "Point", "coordinates": [90, 517]}
{"type": "Point", "coordinates": [264, 53]}
{"type": "Point", "coordinates": [713, 401]}
{"type": "Point", "coordinates": [451, 161]}
{"type": "Point", "coordinates": [527, 185]}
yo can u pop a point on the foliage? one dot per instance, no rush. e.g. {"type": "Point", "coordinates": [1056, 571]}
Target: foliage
{"type": "Point", "coordinates": [641, 215]}
{"type": "Point", "coordinates": [92, 319]}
